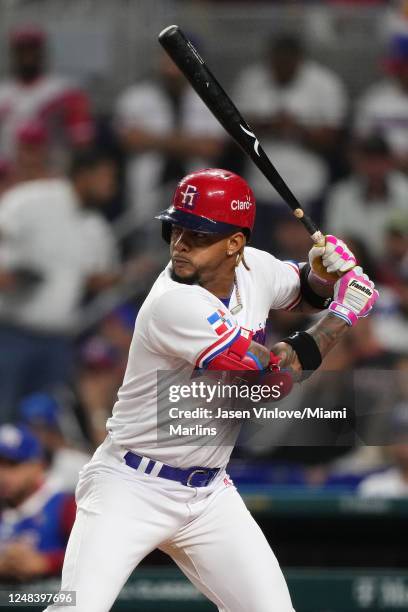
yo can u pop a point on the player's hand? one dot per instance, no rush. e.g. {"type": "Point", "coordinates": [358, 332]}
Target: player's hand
{"type": "Point", "coordinates": [335, 256]}
{"type": "Point", "coordinates": [354, 296]}
{"type": "Point", "coordinates": [276, 373]}
{"type": "Point", "coordinates": [288, 361]}
{"type": "Point", "coordinates": [279, 381]}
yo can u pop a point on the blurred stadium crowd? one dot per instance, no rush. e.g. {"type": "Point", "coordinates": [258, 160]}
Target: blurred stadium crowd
{"type": "Point", "coordinates": [79, 250]}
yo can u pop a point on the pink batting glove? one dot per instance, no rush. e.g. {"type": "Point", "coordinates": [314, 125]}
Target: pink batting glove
{"type": "Point", "coordinates": [335, 254]}
{"type": "Point", "coordinates": [354, 296]}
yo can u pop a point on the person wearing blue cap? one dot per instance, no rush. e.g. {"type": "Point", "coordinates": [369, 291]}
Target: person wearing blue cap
{"type": "Point", "coordinates": [36, 517]}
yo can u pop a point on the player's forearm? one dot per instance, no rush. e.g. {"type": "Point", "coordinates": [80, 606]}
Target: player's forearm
{"type": "Point", "coordinates": [326, 333]}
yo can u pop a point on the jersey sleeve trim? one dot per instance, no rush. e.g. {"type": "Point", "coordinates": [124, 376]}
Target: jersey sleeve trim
{"type": "Point", "coordinates": [295, 302]}
{"type": "Point", "coordinates": [218, 347]}
{"type": "Point", "coordinates": [294, 266]}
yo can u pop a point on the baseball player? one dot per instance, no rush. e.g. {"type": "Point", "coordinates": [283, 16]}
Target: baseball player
{"type": "Point", "coordinates": [206, 310]}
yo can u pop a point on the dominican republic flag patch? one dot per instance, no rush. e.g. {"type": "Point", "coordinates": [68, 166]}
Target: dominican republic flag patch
{"type": "Point", "coordinates": [219, 322]}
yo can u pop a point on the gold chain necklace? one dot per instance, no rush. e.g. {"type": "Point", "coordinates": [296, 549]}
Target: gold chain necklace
{"type": "Point", "coordinates": [239, 306]}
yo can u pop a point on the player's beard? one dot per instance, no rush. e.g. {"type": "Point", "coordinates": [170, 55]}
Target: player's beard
{"type": "Point", "coordinates": [191, 279]}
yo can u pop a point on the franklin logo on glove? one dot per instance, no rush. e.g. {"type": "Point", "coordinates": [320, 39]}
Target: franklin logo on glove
{"type": "Point", "coordinates": [363, 288]}
{"type": "Point", "coordinates": [354, 296]}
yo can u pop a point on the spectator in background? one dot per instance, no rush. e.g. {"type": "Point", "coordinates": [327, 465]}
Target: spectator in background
{"type": "Point", "coordinates": [391, 314]}
{"type": "Point", "coordinates": [297, 107]}
{"type": "Point", "coordinates": [166, 130]}
{"type": "Point", "coordinates": [103, 361]}
{"type": "Point", "coordinates": [384, 107]}
{"type": "Point", "coordinates": [54, 247]}
{"type": "Point", "coordinates": [100, 376]}
{"type": "Point", "coordinates": [393, 268]}
{"type": "Point", "coordinates": [31, 93]}
{"type": "Point", "coordinates": [41, 412]}
{"type": "Point", "coordinates": [36, 517]}
{"type": "Point", "coordinates": [393, 482]}
{"type": "Point", "coordinates": [360, 206]}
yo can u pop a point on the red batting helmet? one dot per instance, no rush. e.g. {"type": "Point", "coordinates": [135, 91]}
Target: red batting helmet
{"type": "Point", "coordinates": [211, 201]}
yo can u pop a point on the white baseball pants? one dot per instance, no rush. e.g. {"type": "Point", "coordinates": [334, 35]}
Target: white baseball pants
{"type": "Point", "coordinates": [124, 514]}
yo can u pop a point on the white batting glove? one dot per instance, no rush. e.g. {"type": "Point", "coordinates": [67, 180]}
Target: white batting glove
{"type": "Point", "coordinates": [354, 296]}
{"type": "Point", "coordinates": [335, 254]}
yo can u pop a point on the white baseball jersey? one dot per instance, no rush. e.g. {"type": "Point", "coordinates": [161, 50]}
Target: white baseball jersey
{"type": "Point", "coordinates": [182, 327]}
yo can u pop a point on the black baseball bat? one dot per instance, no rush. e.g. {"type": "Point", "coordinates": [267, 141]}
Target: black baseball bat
{"type": "Point", "coordinates": [191, 64]}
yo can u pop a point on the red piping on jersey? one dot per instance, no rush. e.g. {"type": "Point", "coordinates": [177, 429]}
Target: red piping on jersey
{"type": "Point", "coordinates": [213, 346]}
{"type": "Point", "coordinates": [293, 266]}
{"type": "Point", "coordinates": [295, 302]}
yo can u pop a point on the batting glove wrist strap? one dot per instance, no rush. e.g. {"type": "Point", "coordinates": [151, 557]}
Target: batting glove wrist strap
{"type": "Point", "coordinates": [344, 313]}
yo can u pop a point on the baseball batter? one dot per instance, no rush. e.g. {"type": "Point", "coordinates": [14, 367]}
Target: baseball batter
{"type": "Point", "coordinates": [206, 310]}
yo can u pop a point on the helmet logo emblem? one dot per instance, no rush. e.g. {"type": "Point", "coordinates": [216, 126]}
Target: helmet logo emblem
{"type": "Point", "coordinates": [241, 204]}
{"type": "Point", "coordinates": [189, 196]}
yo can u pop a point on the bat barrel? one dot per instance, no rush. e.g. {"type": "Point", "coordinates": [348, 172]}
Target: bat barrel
{"type": "Point", "coordinates": [191, 64]}
{"type": "Point", "coordinates": [171, 29]}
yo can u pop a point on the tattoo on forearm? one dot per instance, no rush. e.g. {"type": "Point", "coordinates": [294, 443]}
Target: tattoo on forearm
{"type": "Point", "coordinates": [327, 332]}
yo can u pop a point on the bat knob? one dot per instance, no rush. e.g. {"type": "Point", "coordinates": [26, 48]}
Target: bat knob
{"type": "Point", "coordinates": [320, 271]}
{"type": "Point", "coordinates": [317, 266]}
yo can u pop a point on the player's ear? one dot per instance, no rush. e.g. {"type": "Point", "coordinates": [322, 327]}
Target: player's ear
{"type": "Point", "coordinates": [235, 243]}
{"type": "Point", "coordinates": [235, 246]}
